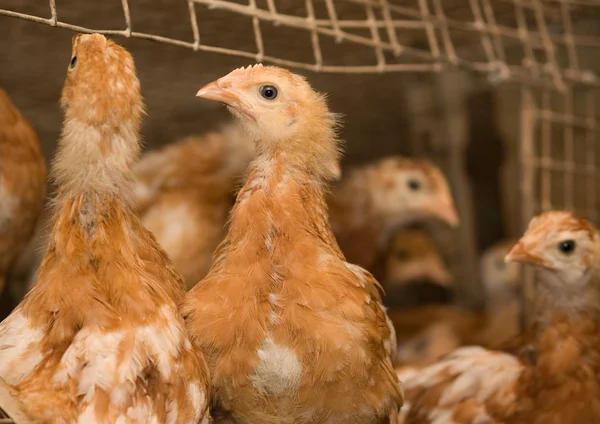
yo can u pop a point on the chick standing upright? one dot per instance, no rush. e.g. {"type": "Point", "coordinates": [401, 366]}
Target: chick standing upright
{"type": "Point", "coordinates": [22, 183]}
{"type": "Point", "coordinates": [292, 332]}
{"type": "Point", "coordinates": [99, 337]}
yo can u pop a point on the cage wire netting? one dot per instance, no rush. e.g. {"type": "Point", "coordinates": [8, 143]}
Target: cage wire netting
{"type": "Point", "coordinates": [539, 58]}
{"type": "Point", "coordinates": [371, 36]}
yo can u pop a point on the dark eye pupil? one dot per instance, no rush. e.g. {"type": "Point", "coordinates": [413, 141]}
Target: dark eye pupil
{"type": "Point", "coordinates": [73, 61]}
{"type": "Point", "coordinates": [566, 246]}
{"type": "Point", "coordinates": [268, 92]}
{"type": "Point", "coordinates": [414, 185]}
{"type": "Point", "coordinates": [402, 254]}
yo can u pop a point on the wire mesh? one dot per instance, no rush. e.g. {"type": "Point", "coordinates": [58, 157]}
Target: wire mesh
{"type": "Point", "coordinates": [560, 156]}
{"type": "Point", "coordinates": [400, 35]}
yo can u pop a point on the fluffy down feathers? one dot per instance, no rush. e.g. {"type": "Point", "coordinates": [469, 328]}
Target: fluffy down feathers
{"type": "Point", "coordinates": [22, 183]}
{"type": "Point", "coordinates": [99, 337]}
{"type": "Point", "coordinates": [292, 332]}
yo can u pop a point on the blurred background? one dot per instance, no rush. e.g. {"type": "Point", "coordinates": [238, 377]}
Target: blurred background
{"type": "Point", "coordinates": [500, 94]}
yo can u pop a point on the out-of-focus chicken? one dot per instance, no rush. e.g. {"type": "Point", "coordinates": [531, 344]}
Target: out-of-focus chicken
{"type": "Point", "coordinates": [184, 193]}
{"type": "Point", "coordinates": [418, 288]}
{"type": "Point", "coordinates": [292, 332]}
{"type": "Point", "coordinates": [562, 383]}
{"type": "Point", "coordinates": [415, 272]}
{"type": "Point", "coordinates": [22, 183]}
{"type": "Point", "coordinates": [501, 282]}
{"type": "Point", "coordinates": [373, 201]}
{"type": "Point", "coordinates": [413, 255]}
{"type": "Point", "coordinates": [428, 332]}
{"type": "Point", "coordinates": [99, 337]}
{"type": "Point", "coordinates": [425, 340]}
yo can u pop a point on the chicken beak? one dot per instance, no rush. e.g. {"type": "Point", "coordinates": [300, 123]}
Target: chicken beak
{"type": "Point", "coordinates": [439, 274]}
{"type": "Point", "coordinates": [447, 214]}
{"type": "Point", "coordinates": [519, 253]}
{"type": "Point", "coordinates": [215, 92]}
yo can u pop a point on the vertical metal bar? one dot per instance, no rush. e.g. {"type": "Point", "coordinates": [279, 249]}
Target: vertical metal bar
{"type": "Point", "coordinates": [526, 171]}
{"type": "Point", "coordinates": [569, 151]}
{"type": "Point", "coordinates": [590, 140]}
{"type": "Point", "coordinates": [545, 154]}
{"type": "Point", "coordinates": [194, 23]}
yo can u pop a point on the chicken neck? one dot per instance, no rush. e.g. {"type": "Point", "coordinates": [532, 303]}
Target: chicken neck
{"type": "Point", "coordinates": [564, 380]}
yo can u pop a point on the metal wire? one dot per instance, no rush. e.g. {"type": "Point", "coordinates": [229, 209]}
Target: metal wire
{"type": "Point", "coordinates": [435, 25]}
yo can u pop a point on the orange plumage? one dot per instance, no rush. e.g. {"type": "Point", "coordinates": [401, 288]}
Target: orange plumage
{"type": "Point", "coordinates": [292, 332]}
{"type": "Point", "coordinates": [99, 337]}
{"type": "Point", "coordinates": [22, 183]}
{"type": "Point", "coordinates": [560, 381]}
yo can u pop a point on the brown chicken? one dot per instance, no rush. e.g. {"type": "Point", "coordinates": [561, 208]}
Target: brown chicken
{"type": "Point", "coordinates": [22, 183]}
{"type": "Point", "coordinates": [562, 382]}
{"type": "Point", "coordinates": [99, 337]}
{"type": "Point", "coordinates": [372, 202]}
{"type": "Point", "coordinates": [292, 332]}
{"type": "Point", "coordinates": [413, 257]}
{"type": "Point", "coordinates": [184, 193]}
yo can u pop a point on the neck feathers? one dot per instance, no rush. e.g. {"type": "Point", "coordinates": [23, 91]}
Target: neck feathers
{"type": "Point", "coordinates": [96, 159]}
{"type": "Point", "coordinates": [310, 148]}
{"type": "Point", "coordinates": [557, 298]}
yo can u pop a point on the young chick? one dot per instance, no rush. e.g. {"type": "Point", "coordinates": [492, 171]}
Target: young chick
{"type": "Point", "coordinates": [501, 281]}
{"type": "Point", "coordinates": [292, 332]}
{"type": "Point", "coordinates": [22, 183]}
{"type": "Point", "coordinates": [562, 383]}
{"type": "Point", "coordinates": [184, 192]}
{"type": "Point", "coordinates": [412, 256]}
{"type": "Point", "coordinates": [375, 200]}
{"type": "Point", "coordinates": [99, 338]}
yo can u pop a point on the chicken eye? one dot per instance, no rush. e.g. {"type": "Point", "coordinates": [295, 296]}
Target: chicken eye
{"type": "Point", "coordinates": [414, 185]}
{"type": "Point", "coordinates": [268, 92]}
{"type": "Point", "coordinates": [73, 62]}
{"type": "Point", "coordinates": [402, 255]}
{"type": "Point", "coordinates": [566, 246]}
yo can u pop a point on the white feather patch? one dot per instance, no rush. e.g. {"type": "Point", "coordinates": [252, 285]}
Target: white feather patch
{"type": "Point", "coordinates": [19, 348]}
{"type": "Point", "coordinates": [278, 369]}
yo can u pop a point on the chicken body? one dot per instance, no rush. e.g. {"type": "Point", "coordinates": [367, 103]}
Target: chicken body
{"type": "Point", "coordinates": [185, 191]}
{"type": "Point", "coordinates": [292, 332]}
{"type": "Point", "coordinates": [373, 201]}
{"type": "Point", "coordinates": [22, 183]}
{"type": "Point", "coordinates": [99, 337]}
{"type": "Point", "coordinates": [561, 383]}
